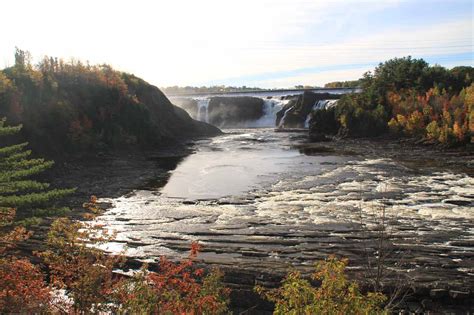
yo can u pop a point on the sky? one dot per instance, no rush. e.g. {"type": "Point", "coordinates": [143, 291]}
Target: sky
{"type": "Point", "coordinates": [264, 43]}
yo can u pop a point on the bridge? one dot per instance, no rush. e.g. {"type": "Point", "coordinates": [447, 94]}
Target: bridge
{"type": "Point", "coordinates": [266, 93]}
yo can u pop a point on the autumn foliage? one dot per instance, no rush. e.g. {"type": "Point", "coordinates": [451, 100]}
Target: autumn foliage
{"type": "Point", "coordinates": [434, 115]}
{"type": "Point", "coordinates": [70, 107]}
{"type": "Point", "coordinates": [22, 288]}
{"type": "Point", "coordinates": [85, 274]}
{"type": "Point", "coordinates": [408, 98]}
{"type": "Point", "coordinates": [177, 288]}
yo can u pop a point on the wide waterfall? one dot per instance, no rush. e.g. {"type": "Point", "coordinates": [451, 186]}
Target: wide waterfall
{"type": "Point", "coordinates": [322, 104]}
{"type": "Point", "coordinates": [268, 120]}
{"type": "Point", "coordinates": [223, 114]}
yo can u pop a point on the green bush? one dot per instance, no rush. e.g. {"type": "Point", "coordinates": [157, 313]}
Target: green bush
{"type": "Point", "coordinates": [335, 295]}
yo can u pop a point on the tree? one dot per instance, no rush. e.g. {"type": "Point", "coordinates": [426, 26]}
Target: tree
{"type": "Point", "coordinates": [22, 58]}
{"type": "Point", "coordinates": [400, 73]}
{"type": "Point", "coordinates": [31, 199]}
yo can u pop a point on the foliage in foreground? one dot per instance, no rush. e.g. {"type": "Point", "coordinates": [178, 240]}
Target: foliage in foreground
{"type": "Point", "coordinates": [86, 276]}
{"type": "Point", "coordinates": [178, 288]}
{"type": "Point", "coordinates": [22, 285]}
{"type": "Point", "coordinates": [335, 295]}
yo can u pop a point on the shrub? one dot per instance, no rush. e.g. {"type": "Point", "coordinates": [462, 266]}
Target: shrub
{"type": "Point", "coordinates": [335, 295]}
{"type": "Point", "coordinates": [177, 288]}
{"type": "Point", "coordinates": [75, 265]}
{"type": "Point", "coordinates": [22, 288]}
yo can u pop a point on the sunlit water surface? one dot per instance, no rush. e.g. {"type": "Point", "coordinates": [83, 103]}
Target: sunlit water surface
{"type": "Point", "coordinates": [255, 202]}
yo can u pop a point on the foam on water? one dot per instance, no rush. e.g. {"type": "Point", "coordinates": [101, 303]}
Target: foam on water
{"type": "Point", "coordinates": [301, 196]}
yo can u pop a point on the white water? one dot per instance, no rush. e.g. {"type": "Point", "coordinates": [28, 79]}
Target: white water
{"type": "Point", "coordinates": [322, 104]}
{"type": "Point", "coordinates": [203, 110]}
{"type": "Point", "coordinates": [254, 201]}
{"type": "Point", "coordinates": [270, 108]}
{"type": "Point", "coordinates": [282, 121]}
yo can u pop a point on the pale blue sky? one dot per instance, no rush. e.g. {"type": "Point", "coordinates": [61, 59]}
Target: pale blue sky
{"type": "Point", "coordinates": [268, 43]}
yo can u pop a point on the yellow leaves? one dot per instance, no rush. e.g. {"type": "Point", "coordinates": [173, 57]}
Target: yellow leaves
{"type": "Point", "coordinates": [458, 131]}
{"type": "Point", "coordinates": [336, 295]}
{"type": "Point", "coordinates": [432, 130]}
{"type": "Point", "coordinates": [93, 207]}
{"type": "Point", "coordinates": [393, 126]}
{"type": "Point", "coordinates": [5, 83]}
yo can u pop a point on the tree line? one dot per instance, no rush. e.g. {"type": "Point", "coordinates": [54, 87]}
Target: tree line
{"type": "Point", "coordinates": [68, 107]}
{"type": "Point", "coordinates": [406, 97]}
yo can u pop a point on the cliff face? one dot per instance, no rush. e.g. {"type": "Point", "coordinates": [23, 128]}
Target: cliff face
{"type": "Point", "coordinates": [168, 120]}
{"type": "Point", "coordinates": [71, 108]}
{"type": "Point", "coordinates": [234, 111]}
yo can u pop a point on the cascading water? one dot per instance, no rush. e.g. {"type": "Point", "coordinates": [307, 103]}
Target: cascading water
{"type": "Point", "coordinates": [203, 110]}
{"type": "Point", "coordinates": [270, 108]}
{"type": "Point", "coordinates": [322, 104]}
{"type": "Point", "coordinates": [282, 120]}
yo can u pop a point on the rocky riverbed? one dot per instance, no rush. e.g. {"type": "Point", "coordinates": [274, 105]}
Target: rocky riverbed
{"type": "Point", "coordinates": [261, 202]}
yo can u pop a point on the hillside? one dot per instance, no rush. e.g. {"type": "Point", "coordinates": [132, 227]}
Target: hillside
{"type": "Point", "coordinates": [75, 107]}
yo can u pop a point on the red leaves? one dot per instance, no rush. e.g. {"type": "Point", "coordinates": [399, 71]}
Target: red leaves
{"type": "Point", "coordinates": [87, 275]}
{"type": "Point", "coordinates": [177, 288]}
{"type": "Point", "coordinates": [435, 115]}
{"type": "Point", "coordinates": [22, 289]}
{"type": "Point", "coordinates": [195, 249]}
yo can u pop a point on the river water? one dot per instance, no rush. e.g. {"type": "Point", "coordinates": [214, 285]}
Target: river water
{"type": "Point", "coordinates": [257, 202]}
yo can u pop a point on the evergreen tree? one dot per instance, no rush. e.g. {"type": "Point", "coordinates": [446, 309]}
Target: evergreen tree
{"type": "Point", "coordinates": [30, 198]}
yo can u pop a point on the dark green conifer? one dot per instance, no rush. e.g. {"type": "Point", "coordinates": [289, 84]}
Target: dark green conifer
{"type": "Point", "coordinates": [18, 190]}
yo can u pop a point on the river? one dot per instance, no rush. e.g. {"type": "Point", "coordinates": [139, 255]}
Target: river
{"type": "Point", "coordinates": [256, 201]}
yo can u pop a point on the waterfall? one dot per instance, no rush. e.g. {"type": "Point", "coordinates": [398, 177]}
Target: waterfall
{"type": "Point", "coordinates": [268, 119]}
{"type": "Point", "coordinates": [270, 108]}
{"type": "Point", "coordinates": [282, 121]}
{"type": "Point", "coordinates": [203, 110]}
{"type": "Point", "coordinates": [322, 104]}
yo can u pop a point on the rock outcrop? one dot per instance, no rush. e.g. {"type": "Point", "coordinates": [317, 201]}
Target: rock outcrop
{"type": "Point", "coordinates": [167, 119]}
{"type": "Point", "coordinates": [296, 111]}
{"type": "Point", "coordinates": [234, 111]}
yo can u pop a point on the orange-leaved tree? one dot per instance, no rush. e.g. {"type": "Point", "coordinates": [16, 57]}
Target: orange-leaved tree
{"type": "Point", "coordinates": [176, 288]}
